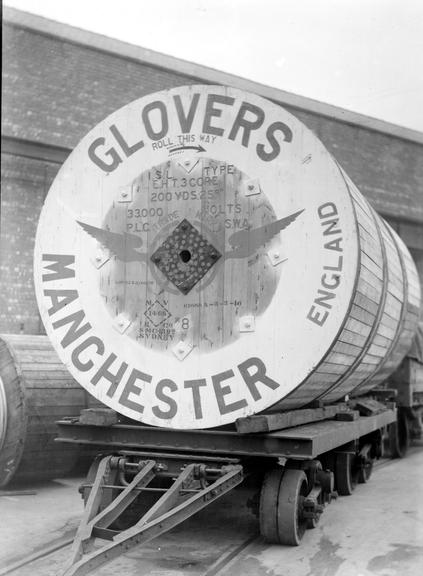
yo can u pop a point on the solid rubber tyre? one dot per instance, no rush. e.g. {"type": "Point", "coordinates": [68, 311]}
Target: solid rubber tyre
{"type": "Point", "coordinates": [345, 474]}
{"type": "Point", "coordinates": [268, 509]}
{"type": "Point", "coordinates": [292, 492]}
{"type": "Point", "coordinates": [365, 472]}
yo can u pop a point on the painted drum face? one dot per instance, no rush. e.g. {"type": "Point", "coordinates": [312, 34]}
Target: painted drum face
{"type": "Point", "coordinates": [190, 230]}
{"type": "Point", "coordinates": [195, 257]}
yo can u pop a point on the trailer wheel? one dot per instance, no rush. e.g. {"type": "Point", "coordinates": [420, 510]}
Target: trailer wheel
{"type": "Point", "coordinates": [292, 493]}
{"type": "Point", "coordinates": [268, 509]}
{"type": "Point", "coordinates": [281, 506]}
{"type": "Point", "coordinates": [365, 471]}
{"type": "Point", "coordinates": [399, 436]}
{"type": "Point", "coordinates": [346, 475]}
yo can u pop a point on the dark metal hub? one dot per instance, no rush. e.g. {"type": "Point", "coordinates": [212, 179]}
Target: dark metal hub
{"type": "Point", "coordinates": [185, 256]}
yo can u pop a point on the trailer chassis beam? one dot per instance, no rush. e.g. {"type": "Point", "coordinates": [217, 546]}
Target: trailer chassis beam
{"type": "Point", "coordinates": [190, 492]}
{"type": "Point", "coordinates": [301, 442]}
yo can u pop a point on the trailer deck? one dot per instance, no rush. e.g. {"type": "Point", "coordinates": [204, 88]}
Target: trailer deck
{"type": "Point", "coordinates": [300, 442]}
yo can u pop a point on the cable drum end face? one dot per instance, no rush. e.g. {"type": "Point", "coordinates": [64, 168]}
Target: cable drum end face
{"type": "Point", "coordinates": [223, 223]}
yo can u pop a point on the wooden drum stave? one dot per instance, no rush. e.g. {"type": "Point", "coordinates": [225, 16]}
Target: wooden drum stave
{"type": "Point", "coordinates": [382, 320]}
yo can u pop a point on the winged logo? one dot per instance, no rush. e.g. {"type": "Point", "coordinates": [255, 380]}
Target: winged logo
{"type": "Point", "coordinates": [124, 246]}
{"type": "Point", "coordinates": [244, 243]}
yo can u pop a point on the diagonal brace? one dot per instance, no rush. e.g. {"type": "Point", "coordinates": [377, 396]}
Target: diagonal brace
{"type": "Point", "coordinates": [170, 497]}
{"type": "Point", "coordinates": [125, 498]}
{"type": "Point", "coordinates": [164, 519]}
{"type": "Point", "coordinates": [92, 518]}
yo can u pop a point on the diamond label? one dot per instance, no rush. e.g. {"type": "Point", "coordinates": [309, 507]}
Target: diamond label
{"type": "Point", "coordinates": [157, 313]}
{"type": "Point", "coordinates": [185, 257]}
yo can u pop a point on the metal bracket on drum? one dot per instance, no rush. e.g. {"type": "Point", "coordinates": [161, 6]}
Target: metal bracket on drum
{"type": "Point", "coordinates": [196, 486]}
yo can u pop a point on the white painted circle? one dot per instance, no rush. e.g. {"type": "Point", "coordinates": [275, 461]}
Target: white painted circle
{"type": "Point", "coordinates": [217, 209]}
{"type": "Point", "coordinates": [270, 306]}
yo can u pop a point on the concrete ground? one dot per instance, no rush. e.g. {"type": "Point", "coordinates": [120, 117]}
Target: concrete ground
{"type": "Point", "coordinates": [376, 532]}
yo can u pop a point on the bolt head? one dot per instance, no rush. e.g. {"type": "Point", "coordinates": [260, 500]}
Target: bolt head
{"type": "Point", "coordinates": [124, 194]}
{"type": "Point", "coordinates": [250, 187]}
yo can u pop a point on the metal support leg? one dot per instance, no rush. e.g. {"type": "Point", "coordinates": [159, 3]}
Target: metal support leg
{"type": "Point", "coordinates": [184, 498]}
{"type": "Point", "coordinates": [82, 543]}
{"type": "Point", "coordinates": [92, 518]}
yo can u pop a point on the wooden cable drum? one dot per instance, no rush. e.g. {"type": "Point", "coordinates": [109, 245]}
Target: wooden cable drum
{"type": "Point", "coordinates": [202, 257]}
{"type": "Point", "coordinates": [36, 390]}
{"type": "Point", "coordinates": [383, 314]}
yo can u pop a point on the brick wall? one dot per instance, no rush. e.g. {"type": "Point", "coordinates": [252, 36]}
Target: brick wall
{"type": "Point", "coordinates": [25, 183]}
{"type": "Point", "coordinates": [387, 170]}
{"type": "Point", "coordinates": [55, 91]}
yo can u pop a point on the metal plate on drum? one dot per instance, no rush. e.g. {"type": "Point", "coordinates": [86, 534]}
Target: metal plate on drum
{"type": "Point", "coordinates": [185, 256]}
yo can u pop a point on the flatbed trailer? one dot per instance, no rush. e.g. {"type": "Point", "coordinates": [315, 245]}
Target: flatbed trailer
{"type": "Point", "coordinates": [147, 480]}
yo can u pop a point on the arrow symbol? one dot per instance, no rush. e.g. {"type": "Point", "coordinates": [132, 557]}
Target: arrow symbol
{"type": "Point", "coordinates": [183, 148]}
